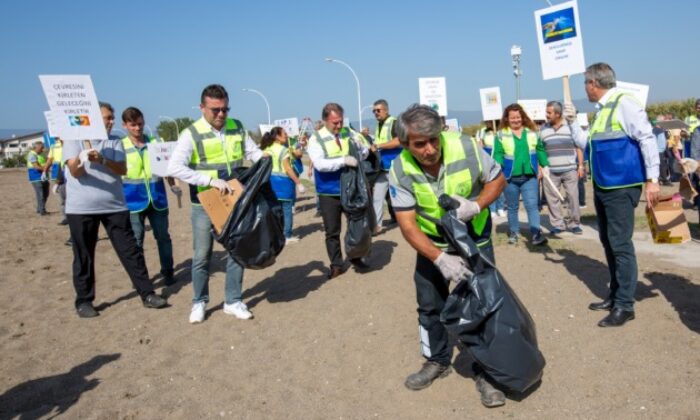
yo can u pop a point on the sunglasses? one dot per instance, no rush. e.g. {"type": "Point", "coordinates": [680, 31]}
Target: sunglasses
{"type": "Point", "coordinates": [377, 111]}
{"type": "Point", "coordinates": [216, 111]}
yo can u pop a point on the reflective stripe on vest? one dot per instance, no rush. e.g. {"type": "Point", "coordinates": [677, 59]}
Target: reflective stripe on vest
{"type": "Point", "coordinates": [33, 173]}
{"type": "Point", "coordinates": [507, 140]}
{"type": "Point", "coordinates": [328, 183]}
{"type": "Point", "coordinates": [56, 154]}
{"type": "Point", "coordinates": [384, 136]}
{"type": "Point", "coordinates": [141, 187]}
{"type": "Point", "coordinates": [462, 172]}
{"type": "Point", "coordinates": [615, 158]}
{"type": "Point", "coordinates": [211, 156]}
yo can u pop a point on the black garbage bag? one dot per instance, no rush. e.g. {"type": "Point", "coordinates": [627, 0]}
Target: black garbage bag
{"type": "Point", "coordinates": [487, 316]}
{"type": "Point", "coordinates": [356, 203]}
{"type": "Point", "coordinates": [253, 234]}
{"type": "Point", "coordinates": [372, 167]}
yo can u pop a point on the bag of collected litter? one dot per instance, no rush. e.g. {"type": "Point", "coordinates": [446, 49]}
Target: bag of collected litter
{"type": "Point", "coordinates": [354, 197]}
{"type": "Point", "coordinates": [372, 167]}
{"type": "Point", "coordinates": [253, 234]}
{"type": "Point", "coordinates": [487, 316]}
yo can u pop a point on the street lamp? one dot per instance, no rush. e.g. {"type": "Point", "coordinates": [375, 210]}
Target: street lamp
{"type": "Point", "coordinates": [177, 129]}
{"type": "Point", "coordinates": [269, 120]}
{"type": "Point", "coordinates": [515, 53]}
{"type": "Point", "coordinates": [359, 100]}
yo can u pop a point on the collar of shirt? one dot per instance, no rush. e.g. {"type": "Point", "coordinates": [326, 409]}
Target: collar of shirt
{"type": "Point", "coordinates": [603, 100]}
{"type": "Point", "coordinates": [218, 133]}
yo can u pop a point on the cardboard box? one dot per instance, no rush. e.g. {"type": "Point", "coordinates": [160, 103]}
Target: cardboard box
{"type": "Point", "coordinates": [667, 221]}
{"type": "Point", "coordinates": [686, 190]}
{"type": "Point", "coordinates": [218, 206]}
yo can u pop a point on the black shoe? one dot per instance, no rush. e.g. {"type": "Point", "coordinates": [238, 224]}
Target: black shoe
{"type": "Point", "coordinates": [154, 301]}
{"type": "Point", "coordinates": [605, 305]}
{"type": "Point", "coordinates": [360, 264]}
{"type": "Point", "coordinates": [86, 310]}
{"type": "Point", "coordinates": [335, 272]}
{"type": "Point", "coordinates": [63, 222]}
{"type": "Point", "coordinates": [426, 375]}
{"type": "Point", "coordinates": [170, 280]}
{"type": "Point", "coordinates": [616, 318]}
{"type": "Point", "coordinates": [490, 395]}
{"type": "Point", "coordinates": [539, 239]}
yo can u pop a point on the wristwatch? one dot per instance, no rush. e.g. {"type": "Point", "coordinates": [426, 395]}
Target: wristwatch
{"type": "Point", "coordinates": [653, 180]}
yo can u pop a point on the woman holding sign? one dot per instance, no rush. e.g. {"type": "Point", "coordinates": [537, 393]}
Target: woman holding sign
{"type": "Point", "coordinates": [521, 154]}
{"type": "Point", "coordinates": [284, 180]}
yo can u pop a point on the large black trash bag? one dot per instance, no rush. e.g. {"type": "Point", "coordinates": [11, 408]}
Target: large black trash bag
{"type": "Point", "coordinates": [253, 234]}
{"type": "Point", "coordinates": [372, 166]}
{"type": "Point", "coordinates": [487, 316]}
{"type": "Point", "coordinates": [356, 202]}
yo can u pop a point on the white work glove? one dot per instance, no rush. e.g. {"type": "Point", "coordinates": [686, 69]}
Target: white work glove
{"type": "Point", "coordinates": [569, 113]}
{"type": "Point", "coordinates": [221, 185]}
{"type": "Point", "coordinates": [44, 177]}
{"type": "Point", "coordinates": [300, 188]}
{"type": "Point", "coordinates": [545, 171]}
{"type": "Point", "coordinates": [467, 209]}
{"type": "Point", "coordinates": [176, 190]}
{"type": "Point", "coordinates": [84, 157]}
{"type": "Point", "coordinates": [350, 161]}
{"type": "Point", "coordinates": [452, 267]}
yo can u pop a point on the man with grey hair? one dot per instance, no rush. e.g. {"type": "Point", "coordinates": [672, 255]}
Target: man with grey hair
{"type": "Point", "coordinates": [37, 171]}
{"type": "Point", "coordinates": [623, 159]}
{"type": "Point", "coordinates": [387, 143]}
{"type": "Point", "coordinates": [566, 166]}
{"type": "Point", "coordinates": [432, 163]}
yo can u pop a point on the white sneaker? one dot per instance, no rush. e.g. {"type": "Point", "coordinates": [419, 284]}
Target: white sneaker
{"type": "Point", "coordinates": [238, 309]}
{"type": "Point", "coordinates": [197, 314]}
{"type": "Point", "coordinates": [291, 240]}
{"type": "Point", "coordinates": [501, 213]}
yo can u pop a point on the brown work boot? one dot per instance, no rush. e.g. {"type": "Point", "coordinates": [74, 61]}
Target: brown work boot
{"type": "Point", "coordinates": [426, 375]}
{"type": "Point", "coordinates": [490, 396]}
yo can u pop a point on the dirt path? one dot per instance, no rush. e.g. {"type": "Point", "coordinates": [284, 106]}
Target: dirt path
{"type": "Point", "coordinates": [325, 349]}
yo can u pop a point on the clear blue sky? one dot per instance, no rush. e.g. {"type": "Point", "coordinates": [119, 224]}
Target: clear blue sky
{"type": "Point", "coordinates": [158, 55]}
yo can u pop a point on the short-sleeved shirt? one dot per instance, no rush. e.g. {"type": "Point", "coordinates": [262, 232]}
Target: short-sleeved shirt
{"type": "Point", "coordinates": [100, 190]}
{"type": "Point", "coordinates": [402, 199]}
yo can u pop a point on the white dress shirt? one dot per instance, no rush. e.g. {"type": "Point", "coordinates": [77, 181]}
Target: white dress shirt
{"type": "Point", "coordinates": [180, 160]}
{"type": "Point", "coordinates": [322, 164]}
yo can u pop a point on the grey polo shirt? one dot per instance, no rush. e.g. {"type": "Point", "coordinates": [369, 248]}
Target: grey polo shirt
{"type": "Point", "coordinates": [403, 200]}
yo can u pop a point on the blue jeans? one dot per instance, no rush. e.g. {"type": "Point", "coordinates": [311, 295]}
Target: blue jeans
{"type": "Point", "coordinates": [203, 241]}
{"type": "Point", "coordinates": [159, 222]}
{"type": "Point", "coordinates": [529, 188]}
{"type": "Point", "coordinates": [288, 210]}
{"type": "Point", "coordinates": [498, 204]}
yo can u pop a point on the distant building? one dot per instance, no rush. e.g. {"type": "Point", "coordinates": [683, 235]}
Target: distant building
{"type": "Point", "coordinates": [13, 145]}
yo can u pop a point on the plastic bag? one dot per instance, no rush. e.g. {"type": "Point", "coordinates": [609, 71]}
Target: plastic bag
{"type": "Point", "coordinates": [487, 316]}
{"type": "Point", "coordinates": [356, 203]}
{"type": "Point", "coordinates": [253, 234]}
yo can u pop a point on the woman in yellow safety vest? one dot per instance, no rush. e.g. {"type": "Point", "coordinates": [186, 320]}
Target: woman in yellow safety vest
{"type": "Point", "coordinates": [284, 180]}
{"type": "Point", "coordinates": [521, 154]}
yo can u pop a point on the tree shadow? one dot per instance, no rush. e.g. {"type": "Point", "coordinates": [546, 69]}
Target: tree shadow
{"type": "Point", "coordinates": [288, 284]}
{"type": "Point", "coordinates": [52, 395]}
{"type": "Point", "coordinates": [682, 294]}
{"type": "Point", "coordinates": [594, 274]}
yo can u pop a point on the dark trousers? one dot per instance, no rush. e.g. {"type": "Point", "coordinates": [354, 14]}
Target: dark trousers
{"type": "Point", "coordinates": [431, 292]}
{"type": "Point", "coordinates": [83, 233]}
{"type": "Point", "coordinates": [664, 173]}
{"type": "Point", "coordinates": [331, 212]}
{"type": "Point", "coordinates": [41, 192]}
{"type": "Point", "coordinates": [615, 209]}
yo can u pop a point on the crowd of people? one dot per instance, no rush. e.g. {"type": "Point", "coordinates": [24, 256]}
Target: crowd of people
{"type": "Point", "coordinates": [109, 182]}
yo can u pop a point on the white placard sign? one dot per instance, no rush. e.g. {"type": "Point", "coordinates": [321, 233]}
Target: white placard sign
{"type": "Point", "coordinates": [491, 108]}
{"type": "Point", "coordinates": [560, 40]}
{"type": "Point", "coordinates": [159, 154]}
{"type": "Point", "coordinates": [290, 125]}
{"type": "Point", "coordinates": [641, 92]}
{"type": "Point", "coordinates": [536, 109]}
{"type": "Point", "coordinates": [433, 92]}
{"type": "Point", "coordinates": [73, 101]}
{"type": "Point", "coordinates": [265, 128]}
{"type": "Point", "coordinates": [582, 119]}
{"type": "Point", "coordinates": [52, 124]}
{"type": "Point", "coordinates": [452, 125]}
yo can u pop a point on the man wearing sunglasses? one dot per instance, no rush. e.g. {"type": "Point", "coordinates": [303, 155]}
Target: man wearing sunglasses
{"type": "Point", "coordinates": [387, 143]}
{"type": "Point", "coordinates": [204, 157]}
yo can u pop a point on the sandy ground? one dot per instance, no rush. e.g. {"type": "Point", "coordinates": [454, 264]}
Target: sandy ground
{"type": "Point", "coordinates": [327, 349]}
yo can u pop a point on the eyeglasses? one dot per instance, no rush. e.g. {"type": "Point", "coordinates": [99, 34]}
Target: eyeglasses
{"type": "Point", "coordinates": [216, 111]}
{"type": "Point", "coordinates": [377, 111]}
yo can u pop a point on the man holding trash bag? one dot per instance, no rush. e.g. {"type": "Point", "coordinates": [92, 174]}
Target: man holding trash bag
{"type": "Point", "coordinates": [204, 157]}
{"type": "Point", "coordinates": [432, 163]}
